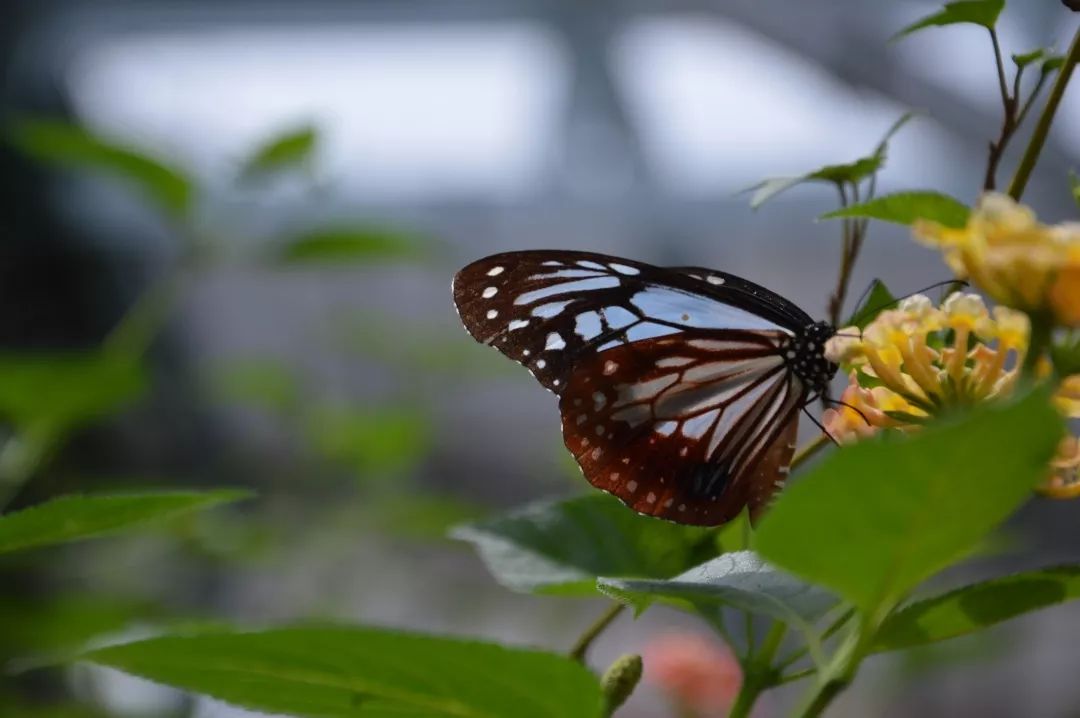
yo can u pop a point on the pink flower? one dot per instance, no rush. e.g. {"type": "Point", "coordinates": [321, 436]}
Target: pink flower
{"type": "Point", "coordinates": [700, 676]}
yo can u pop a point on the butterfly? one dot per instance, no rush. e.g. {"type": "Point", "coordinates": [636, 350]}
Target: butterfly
{"type": "Point", "coordinates": [679, 387]}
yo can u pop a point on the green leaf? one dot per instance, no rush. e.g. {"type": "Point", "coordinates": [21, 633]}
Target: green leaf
{"type": "Point", "coordinates": [977, 606]}
{"type": "Point", "coordinates": [353, 244]}
{"type": "Point", "coordinates": [285, 151]}
{"type": "Point", "coordinates": [975, 12]}
{"type": "Point", "coordinates": [1074, 187]}
{"type": "Point", "coordinates": [883, 146]}
{"type": "Point", "coordinates": [69, 145]}
{"type": "Point", "coordinates": [851, 172]}
{"type": "Point", "coordinates": [562, 547]}
{"type": "Point", "coordinates": [75, 518]}
{"type": "Point", "coordinates": [1025, 59]}
{"type": "Point", "coordinates": [736, 534]}
{"type": "Point", "coordinates": [877, 300]}
{"type": "Point", "coordinates": [897, 510]}
{"type": "Point", "coordinates": [740, 580]}
{"type": "Point", "coordinates": [364, 672]}
{"type": "Point", "coordinates": [61, 391]}
{"type": "Point", "coordinates": [906, 207]}
{"type": "Point", "coordinates": [1052, 63]}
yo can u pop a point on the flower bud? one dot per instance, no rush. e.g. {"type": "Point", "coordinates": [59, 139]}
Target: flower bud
{"type": "Point", "coordinates": [620, 679]}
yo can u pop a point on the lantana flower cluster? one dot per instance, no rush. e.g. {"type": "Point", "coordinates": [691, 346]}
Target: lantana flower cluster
{"type": "Point", "coordinates": [1013, 258]}
{"type": "Point", "coordinates": [917, 361]}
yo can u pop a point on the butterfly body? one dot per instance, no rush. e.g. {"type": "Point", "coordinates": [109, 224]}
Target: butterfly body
{"type": "Point", "coordinates": [679, 388]}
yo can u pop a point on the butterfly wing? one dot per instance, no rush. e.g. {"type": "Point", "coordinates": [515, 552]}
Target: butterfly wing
{"type": "Point", "coordinates": [688, 427]}
{"type": "Point", "coordinates": [547, 308]}
{"type": "Point", "coordinates": [675, 394]}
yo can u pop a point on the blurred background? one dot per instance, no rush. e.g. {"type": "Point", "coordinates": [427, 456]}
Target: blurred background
{"type": "Point", "coordinates": [227, 233]}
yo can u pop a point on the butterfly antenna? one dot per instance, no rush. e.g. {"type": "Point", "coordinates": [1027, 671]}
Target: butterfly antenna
{"type": "Point", "coordinates": [821, 426]}
{"type": "Point", "coordinates": [866, 293]}
{"type": "Point", "coordinates": [838, 402]}
{"type": "Point", "coordinates": [956, 283]}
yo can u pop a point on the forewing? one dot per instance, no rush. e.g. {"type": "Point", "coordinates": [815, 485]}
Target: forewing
{"type": "Point", "coordinates": [551, 310]}
{"type": "Point", "coordinates": [688, 427]}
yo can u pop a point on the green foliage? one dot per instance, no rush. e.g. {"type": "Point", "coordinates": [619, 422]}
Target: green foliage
{"type": "Point", "coordinates": [48, 626]}
{"type": "Point", "coordinates": [1074, 187]}
{"type": "Point", "coordinates": [74, 518]}
{"type": "Point", "coordinates": [975, 12]}
{"type": "Point", "coordinates": [69, 145]}
{"type": "Point", "coordinates": [740, 580]}
{"type": "Point", "coordinates": [264, 384]}
{"type": "Point", "coordinates": [370, 673]}
{"type": "Point", "coordinates": [850, 173]}
{"type": "Point", "coordinates": [290, 149]}
{"type": "Point", "coordinates": [899, 510]}
{"type": "Point", "coordinates": [1066, 355]}
{"type": "Point", "coordinates": [61, 391]}
{"type": "Point", "coordinates": [376, 441]}
{"type": "Point", "coordinates": [876, 301]}
{"type": "Point", "coordinates": [1026, 58]}
{"type": "Point", "coordinates": [418, 515]}
{"type": "Point", "coordinates": [978, 606]}
{"type": "Point", "coordinates": [906, 207]}
{"type": "Point", "coordinates": [355, 243]}
{"type": "Point", "coordinates": [562, 547]}
{"type": "Point", "coordinates": [736, 534]}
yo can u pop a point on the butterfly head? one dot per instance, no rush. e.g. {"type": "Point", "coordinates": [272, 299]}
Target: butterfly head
{"type": "Point", "coordinates": [806, 356]}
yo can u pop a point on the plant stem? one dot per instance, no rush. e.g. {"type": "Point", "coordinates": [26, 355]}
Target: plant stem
{"type": "Point", "coordinates": [838, 676]}
{"type": "Point", "coordinates": [758, 673]}
{"type": "Point", "coordinates": [133, 334]}
{"type": "Point", "coordinates": [806, 452]}
{"type": "Point", "coordinates": [1041, 329]}
{"type": "Point", "coordinates": [581, 646]}
{"type": "Point", "coordinates": [1009, 121]}
{"type": "Point", "coordinates": [1042, 128]}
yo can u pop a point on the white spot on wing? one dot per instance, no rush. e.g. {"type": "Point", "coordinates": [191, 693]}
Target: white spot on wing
{"type": "Point", "coordinates": [666, 428]}
{"type": "Point", "coordinates": [667, 362]}
{"type": "Point", "coordinates": [619, 317]}
{"type": "Point", "coordinates": [610, 367]}
{"type": "Point", "coordinates": [599, 400]}
{"type": "Point", "coordinates": [518, 324]}
{"type": "Point", "coordinates": [631, 486]}
{"type": "Point", "coordinates": [671, 305]}
{"type": "Point", "coordinates": [492, 314]}
{"type": "Point", "coordinates": [584, 285]}
{"type": "Point", "coordinates": [590, 265]}
{"type": "Point", "coordinates": [713, 279]}
{"type": "Point", "coordinates": [554, 341]}
{"type": "Point", "coordinates": [551, 309]}
{"type": "Point", "coordinates": [651, 498]}
{"type": "Point", "coordinates": [587, 325]}
{"type": "Point", "coordinates": [495, 271]}
{"type": "Point", "coordinates": [623, 269]}
{"type": "Point", "coordinates": [540, 363]}
{"type": "Point", "coordinates": [489, 292]}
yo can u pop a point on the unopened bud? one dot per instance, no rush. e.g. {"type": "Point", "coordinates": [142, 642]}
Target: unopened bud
{"type": "Point", "coordinates": [620, 679]}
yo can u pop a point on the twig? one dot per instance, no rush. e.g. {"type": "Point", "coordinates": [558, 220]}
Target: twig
{"type": "Point", "coordinates": [581, 646]}
{"type": "Point", "coordinates": [1042, 128]}
{"type": "Point", "coordinates": [1009, 121]}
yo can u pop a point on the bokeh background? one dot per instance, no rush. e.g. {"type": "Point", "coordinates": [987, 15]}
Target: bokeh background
{"type": "Point", "coordinates": [292, 304]}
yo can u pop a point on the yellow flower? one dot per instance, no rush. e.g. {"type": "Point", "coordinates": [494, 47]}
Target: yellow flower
{"type": "Point", "coordinates": [1020, 263]}
{"type": "Point", "coordinates": [916, 361]}
{"type": "Point", "coordinates": [1065, 291]}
